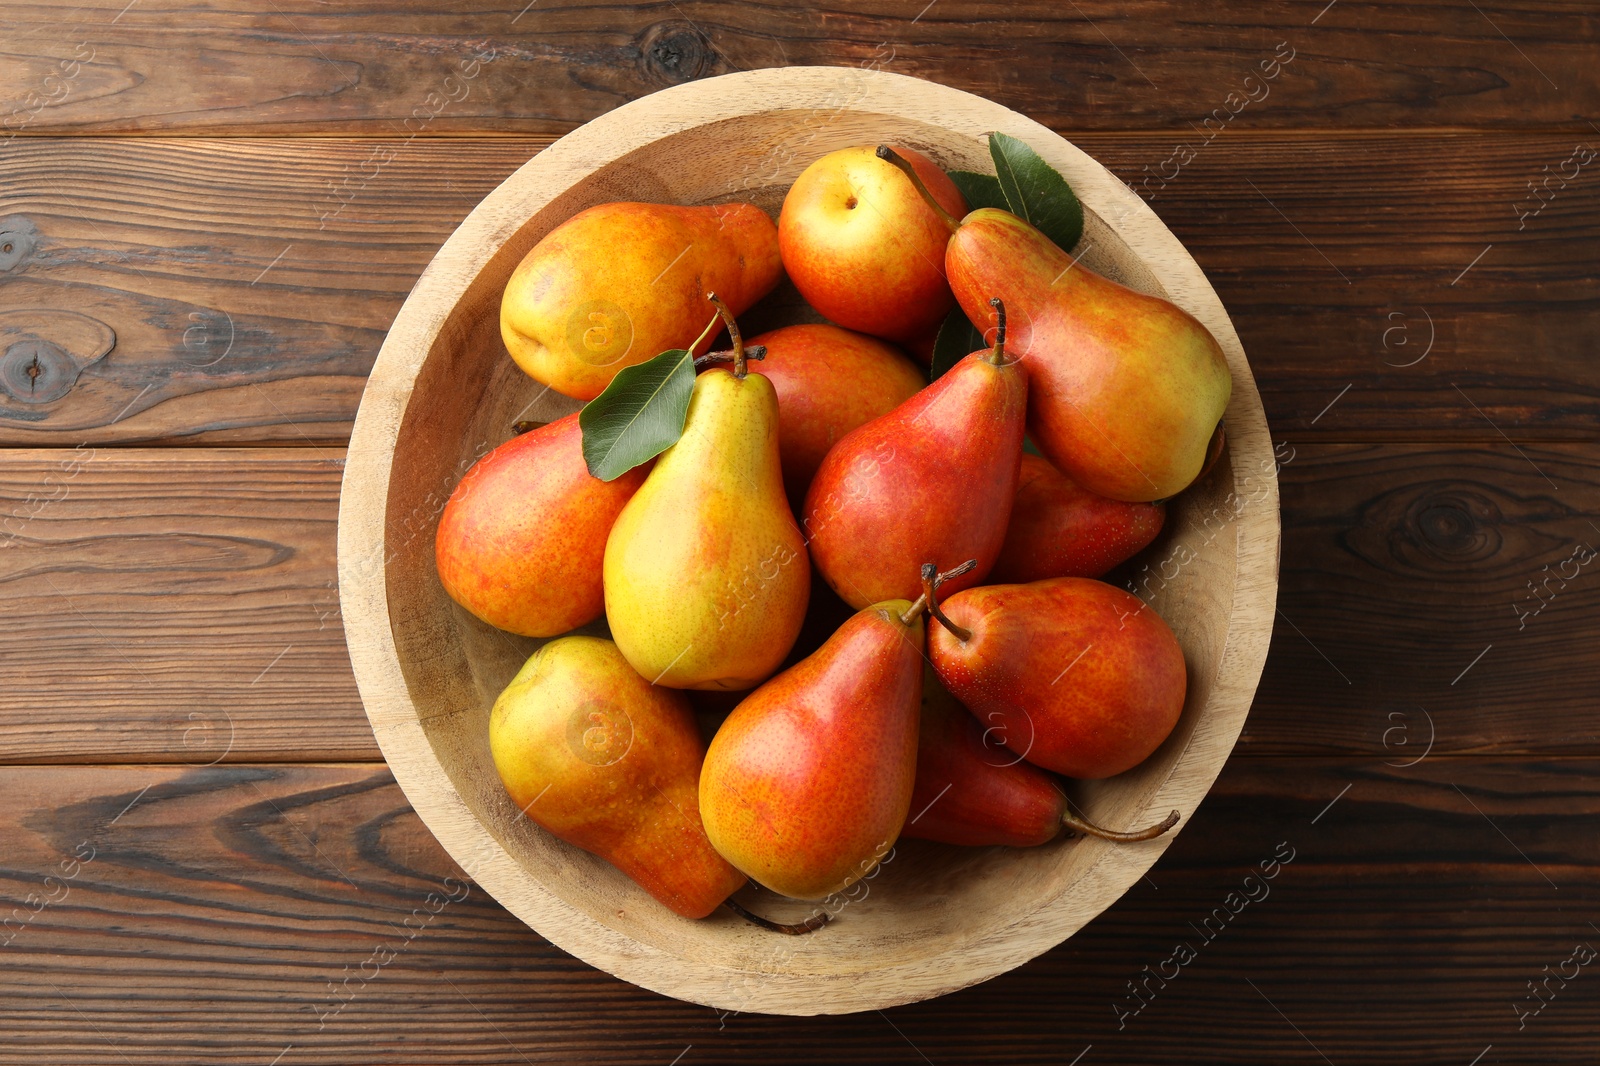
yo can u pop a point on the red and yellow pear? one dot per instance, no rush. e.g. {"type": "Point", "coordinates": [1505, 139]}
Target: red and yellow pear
{"type": "Point", "coordinates": [973, 790]}
{"type": "Point", "coordinates": [932, 479]}
{"type": "Point", "coordinates": [1072, 674]}
{"type": "Point", "coordinates": [1126, 391]}
{"type": "Point", "coordinates": [522, 538]}
{"type": "Point", "coordinates": [807, 783]}
{"type": "Point", "coordinates": [829, 381]}
{"type": "Point", "coordinates": [1060, 529]}
{"type": "Point", "coordinates": [623, 282]}
{"type": "Point", "coordinates": [608, 762]}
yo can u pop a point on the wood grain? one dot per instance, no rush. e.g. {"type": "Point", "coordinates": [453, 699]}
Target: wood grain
{"type": "Point", "coordinates": [1400, 563]}
{"type": "Point", "coordinates": [173, 605]}
{"type": "Point", "coordinates": [1435, 591]}
{"type": "Point", "coordinates": [249, 282]}
{"type": "Point", "coordinates": [302, 66]}
{"type": "Point", "coordinates": [230, 912]}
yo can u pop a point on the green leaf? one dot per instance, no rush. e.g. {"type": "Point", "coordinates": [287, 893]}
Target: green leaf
{"type": "Point", "coordinates": [639, 415]}
{"type": "Point", "coordinates": [1036, 192]}
{"type": "Point", "coordinates": [979, 190]}
{"type": "Point", "coordinates": [957, 339]}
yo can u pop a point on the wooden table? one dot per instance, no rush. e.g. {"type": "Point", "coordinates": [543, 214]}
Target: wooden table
{"type": "Point", "coordinates": [203, 855]}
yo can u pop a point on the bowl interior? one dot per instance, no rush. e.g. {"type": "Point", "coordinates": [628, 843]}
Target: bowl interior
{"type": "Point", "coordinates": [929, 901]}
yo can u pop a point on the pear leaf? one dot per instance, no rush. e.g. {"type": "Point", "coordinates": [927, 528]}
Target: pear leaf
{"type": "Point", "coordinates": [1036, 192]}
{"type": "Point", "coordinates": [639, 415]}
{"type": "Point", "coordinates": [979, 190]}
{"type": "Point", "coordinates": [957, 339]}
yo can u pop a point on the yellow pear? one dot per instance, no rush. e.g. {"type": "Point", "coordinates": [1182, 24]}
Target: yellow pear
{"type": "Point", "coordinates": [706, 574]}
{"type": "Point", "coordinates": [602, 759]}
{"type": "Point", "coordinates": [621, 283]}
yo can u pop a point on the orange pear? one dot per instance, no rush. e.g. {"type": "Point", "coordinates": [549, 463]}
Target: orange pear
{"type": "Point", "coordinates": [973, 790]}
{"type": "Point", "coordinates": [1060, 529]}
{"type": "Point", "coordinates": [829, 381]}
{"type": "Point", "coordinates": [605, 760]}
{"type": "Point", "coordinates": [1072, 674]}
{"type": "Point", "coordinates": [863, 248]}
{"type": "Point", "coordinates": [807, 783]}
{"type": "Point", "coordinates": [522, 538]}
{"type": "Point", "coordinates": [621, 283]}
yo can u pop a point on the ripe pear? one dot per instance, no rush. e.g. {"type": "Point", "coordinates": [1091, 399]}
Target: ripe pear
{"type": "Point", "coordinates": [1125, 390]}
{"type": "Point", "coordinates": [932, 479]}
{"type": "Point", "coordinates": [706, 573]}
{"type": "Point", "coordinates": [621, 283]}
{"type": "Point", "coordinates": [1060, 529]}
{"type": "Point", "coordinates": [972, 790]}
{"type": "Point", "coordinates": [606, 761]}
{"type": "Point", "coordinates": [829, 381]}
{"type": "Point", "coordinates": [522, 538]}
{"type": "Point", "coordinates": [807, 784]}
{"type": "Point", "coordinates": [1072, 674]}
{"type": "Point", "coordinates": [865, 250]}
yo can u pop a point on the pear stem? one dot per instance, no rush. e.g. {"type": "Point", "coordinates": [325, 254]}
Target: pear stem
{"type": "Point", "coordinates": [931, 580]}
{"type": "Point", "coordinates": [889, 155]}
{"type": "Point", "coordinates": [938, 579]}
{"type": "Point", "coordinates": [755, 351]}
{"type": "Point", "coordinates": [740, 369]}
{"type": "Point", "coordinates": [810, 925]}
{"type": "Point", "coordinates": [998, 356]}
{"type": "Point", "coordinates": [526, 425]}
{"type": "Point", "coordinates": [1083, 825]}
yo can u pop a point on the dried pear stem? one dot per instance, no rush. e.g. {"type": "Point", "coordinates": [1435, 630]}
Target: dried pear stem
{"type": "Point", "coordinates": [1088, 828]}
{"type": "Point", "coordinates": [930, 585]}
{"type": "Point", "coordinates": [755, 352]}
{"type": "Point", "coordinates": [739, 357]}
{"type": "Point", "coordinates": [931, 580]}
{"type": "Point", "coordinates": [810, 925]}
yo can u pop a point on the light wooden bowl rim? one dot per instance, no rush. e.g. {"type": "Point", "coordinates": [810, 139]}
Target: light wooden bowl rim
{"type": "Point", "coordinates": [398, 723]}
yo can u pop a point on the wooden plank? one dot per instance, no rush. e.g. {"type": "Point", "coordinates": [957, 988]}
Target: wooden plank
{"type": "Point", "coordinates": [173, 605]}
{"type": "Point", "coordinates": [237, 913]}
{"type": "Point", "coordinates": [249, 283]}
{"type": "Point", "coordinates": [1434, 592]}
{"type": "Point", "coordinates": [155, 584]}
{"type": "Point", "coordinates": [304, 66]}
{"type": "Point", "coordinates": [1419, 272]}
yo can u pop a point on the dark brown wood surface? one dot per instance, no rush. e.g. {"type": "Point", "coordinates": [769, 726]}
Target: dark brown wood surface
{"type": "Point", "coordinates": [250, 281]}
{"type": "Point", "coordinates": [201, 852]}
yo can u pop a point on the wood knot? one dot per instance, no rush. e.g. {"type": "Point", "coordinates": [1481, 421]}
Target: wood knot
{"type": "Point", "coordinates": [18, 238]}
{"type": "Point", "coordinates": [675, 52]}
{"type": "Point", "coordinates": [42, 352]}
{"type": "Point", "coordinates": [36, 371]}
{"type": "Point", "coordinates": [1434, 528]}
{"type": "Point", "coordinates": [1458, 525]}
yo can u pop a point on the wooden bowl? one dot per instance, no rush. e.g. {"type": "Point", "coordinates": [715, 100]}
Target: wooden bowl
{"type": "Point", "coordinates": [444, 391]}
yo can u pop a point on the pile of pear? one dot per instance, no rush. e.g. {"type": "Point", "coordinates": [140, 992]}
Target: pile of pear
{"type": "Point", "coordinates": [959, 657]}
